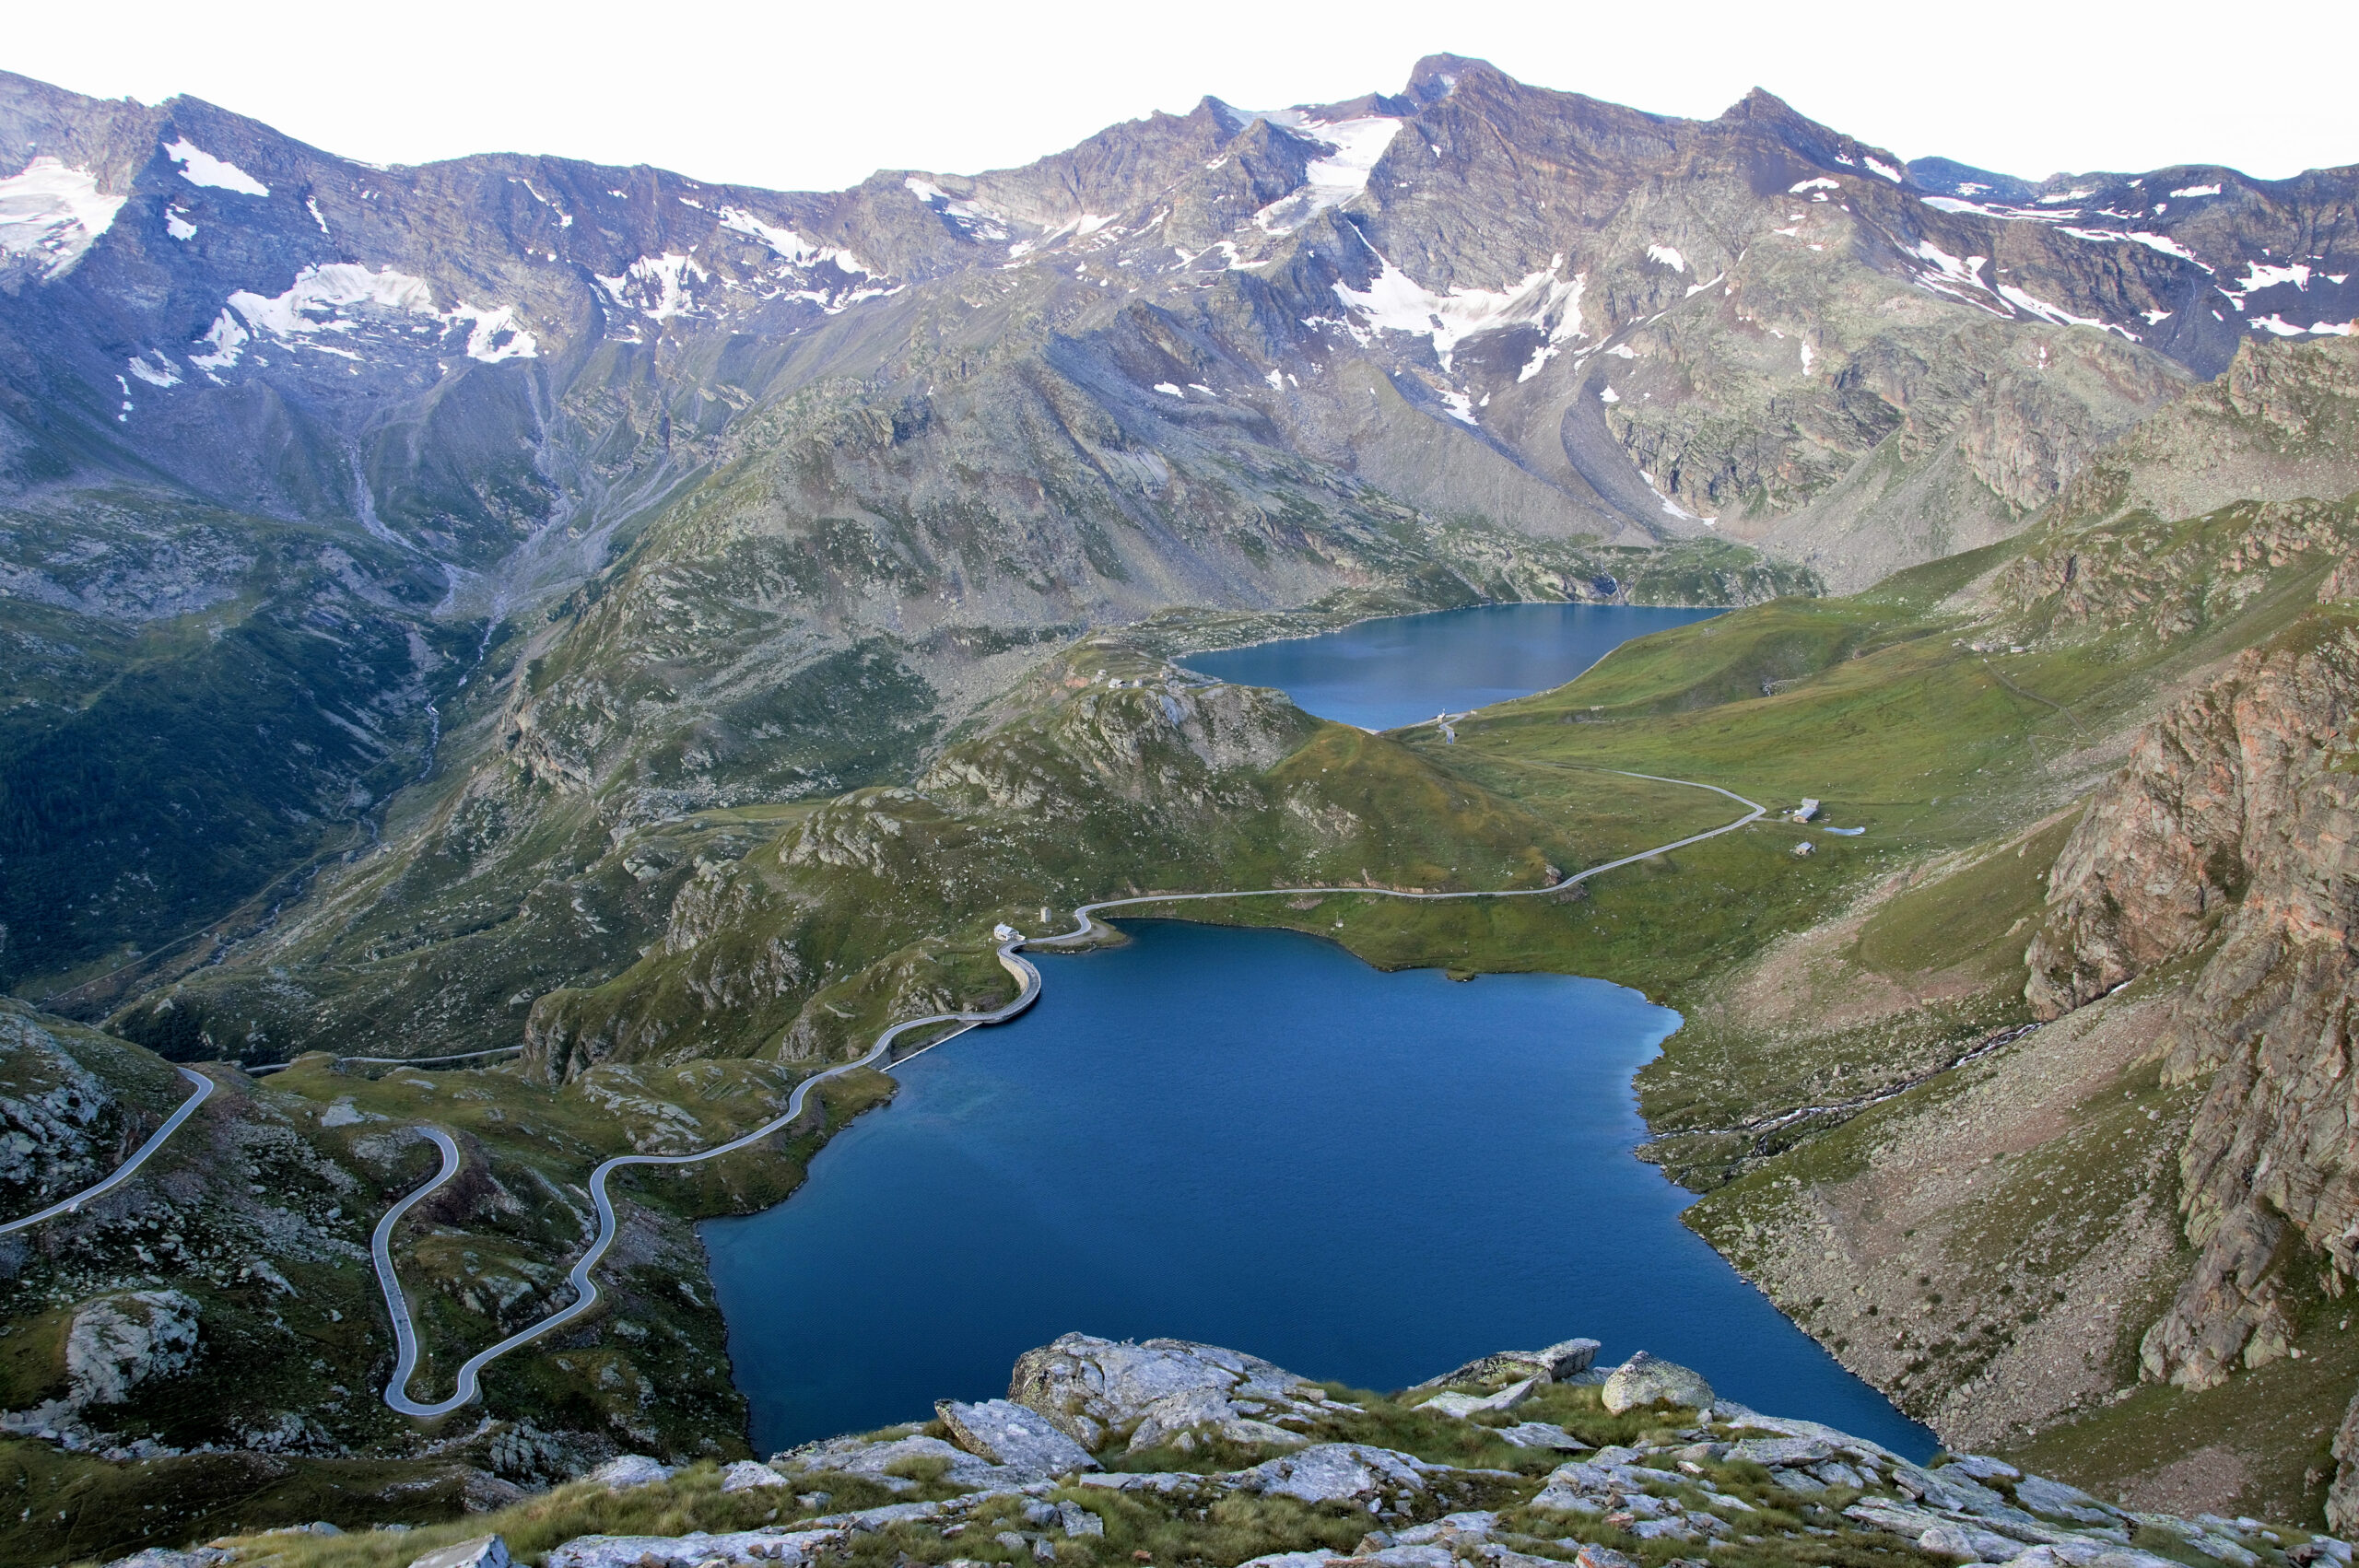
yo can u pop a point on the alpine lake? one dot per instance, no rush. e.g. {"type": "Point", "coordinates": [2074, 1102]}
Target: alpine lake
{"type": "Point", "coordinates": [1252, 1139]}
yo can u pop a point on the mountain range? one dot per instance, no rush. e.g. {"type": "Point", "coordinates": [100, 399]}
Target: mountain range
{"type": "Point", "coordinates": [655, 629]}
{"type": "Point", "coordinates": [292, 445]}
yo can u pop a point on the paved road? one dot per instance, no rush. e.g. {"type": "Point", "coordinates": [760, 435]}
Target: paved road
{"type": "Point", "coordinates": [1085, 915]}
{"type": "Point", "coordinates": [585, 1289]}
{"type": "Point", "coordinates": [1029, 978]}
{"type": "Point", "coordinates": [124, 1171]}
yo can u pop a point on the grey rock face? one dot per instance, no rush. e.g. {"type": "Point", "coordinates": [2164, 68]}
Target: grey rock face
{"type": "Point", "coordinates": [48, 1134]}
{"type": "Point", "coordinates": [118, 1342]}
{"type": "Point", "coordinates": [746, 1475]}
{"type": "Point", "coordinates": [1541, 1434]}
{"type": "Point", "coordinates": [2054, 1498]}
{"type": "Point", "coordinates": [1778, 1451]}
{"type": "Point", "coordinates": [1949, 1513]}
{"type": "Point", "coordinates": [1337, 1472]}
{"type": "Point", "coordinates": [630, 1469]}
{"type": "Point", "coordinates": [1464, 1405]}
{"type": "Point", "coordinates": [792, 1549]}
{"type": "Point", "coordinates": [1647, 1380]}
{"type": "Point", "coordinates": [1557, 1362]}
{"type": "Point", "coordinates": [484, 1551]}
{"type": "Point", "coordinates": [1098, 1391]}
{"type": "Point", "coordinates": [1010, 1436]}
{"type": "Point", "coordinates": [859, 1457]}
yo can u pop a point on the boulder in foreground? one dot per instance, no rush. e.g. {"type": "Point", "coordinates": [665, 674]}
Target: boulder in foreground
{"type": "Point", "coordinates": [1647, 1380]}
{"type": "Point", "coordinates": [1162, 1392]}
{"type": "Point", "coordinates": [484, 1551]}
{"type": "Point", "coordinates": [1010, 1434]}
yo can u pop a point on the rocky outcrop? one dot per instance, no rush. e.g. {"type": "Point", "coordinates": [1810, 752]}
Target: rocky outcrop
{"type": "Point", "coordinates": [2281, 420]}
{"type": "Point", "coordinates": [1737, 1478]}
{"type": "Point", "coordinates": [52, 1126]}
{"type": "Point", "coordinates": [1647, 1380]}
{"type": "Point", "coordinates": [2236, 823]}
{"type": "Point", "coordinates": [1008, 1435]}
{"type": "Point", "coordinates": [1555, 1363]}
{"type": "Point", "coordinates": [118, 1342]}
{"type": "Point", "coordinates": [484, 1551]}
{"type": "Point", "coordinates": [1161, 1392]}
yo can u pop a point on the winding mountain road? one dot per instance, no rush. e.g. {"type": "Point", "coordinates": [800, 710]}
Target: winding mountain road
{"type": "Point", "coordinates": [585, 1288]}
{"type": "Point", "coordinates": [126, 1171]}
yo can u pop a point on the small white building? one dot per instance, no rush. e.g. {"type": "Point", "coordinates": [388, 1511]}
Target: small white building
{"type": "Point", "coordinates": [1005, 933]}
{"type": "Point", "coordinates": [1805, 847]}
{"type": "Point", "coordinates": [1807, 810]}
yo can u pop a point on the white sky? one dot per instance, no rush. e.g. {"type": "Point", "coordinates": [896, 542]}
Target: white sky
{"type": "Point", "coordinates": [798, 96]}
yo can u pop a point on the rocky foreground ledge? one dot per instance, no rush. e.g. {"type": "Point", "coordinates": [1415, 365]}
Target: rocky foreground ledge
{"type": "Point", "coordinates": [1169, 1452]}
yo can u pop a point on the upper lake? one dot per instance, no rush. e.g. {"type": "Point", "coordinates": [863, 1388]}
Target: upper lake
{"type": "Point", "coordinates": [1253, 1139]}
{"type": "Point", "coordinates": [1403, 669]}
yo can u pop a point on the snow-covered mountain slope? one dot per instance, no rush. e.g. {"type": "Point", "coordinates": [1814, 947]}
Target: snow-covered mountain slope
{"type": "Point", "coordinates": [267, 415]}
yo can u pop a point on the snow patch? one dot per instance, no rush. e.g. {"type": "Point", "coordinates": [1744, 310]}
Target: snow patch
{"type": "Point", "coordinates": [177, 224]}
{"type": "Point", "coordinates": [1394, 301]}
{"type": "Point", "coordinates": [2004, 213]}
{"type": "Point", "coordinates": [494, 334]}
{"type": "Point", "coordinates": [1668, 257]}
{"type": "Point", "coordinates": [2258, 277]}
{"type": "Point", "coordinates": [1568, 325]}
{"type": "Point", "coordinates": [656, 287]}
{"type": "Point", "coordinates": [1821, 183]}
{"type": "Point", "coordinates": [163, 373]}
{"type": "Point", "coordinates": [1887, 170]}
{"type": "Point", "coordinates": [2279, 326]}
{"type": "Point", "coordinates": [227, 340]}
{"type": "Point", "coordinates": [1331, 181]}
{"type": "Point", "coordinates": [791, 247]}
{"type": "Point", "coordinates": [978, 220]}
{"type": "Point", "coordinates": [1958, 278]}
{"type": "Point", "coordinates": [329, 289]}
{"type": "Point", "coordinates": [53, 215]}
{"type": "Point", "coordinates": [201, 167]}
{"type": "Point", "coordinates": [2032, 305]}
{"type": "Point", "coordinates": [1607, 395]}
{"type": "Point", "coordinates": [311, 205]}
{"type": "Point", "coordinates": [2187, 190]}
{"type": "Point", "coordinates": [2163, 242]}
{"type": "Point", "coordinates": [318, 302]}
{"type": "Point", "coordinates": [1170, 390]}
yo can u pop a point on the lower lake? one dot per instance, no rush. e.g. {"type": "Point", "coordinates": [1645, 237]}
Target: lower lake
{"type": "Point", "coordinates": [1252, 1139]}
{"type": "Point", "coordinates": [1405, 669]}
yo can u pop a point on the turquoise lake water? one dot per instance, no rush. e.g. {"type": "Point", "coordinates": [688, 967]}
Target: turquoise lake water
{"type": "Point", "coordinates": [1404, 669]}
{"type": "Point", "coordinates": [1253, 1139]}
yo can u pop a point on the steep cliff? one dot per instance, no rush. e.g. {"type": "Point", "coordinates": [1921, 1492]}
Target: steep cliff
{"type": "Point", "coordinates": [2230, 836]}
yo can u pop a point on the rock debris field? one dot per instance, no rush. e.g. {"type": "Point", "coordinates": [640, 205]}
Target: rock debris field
{"type": "Point", "coordinates": [1166, 1450]}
